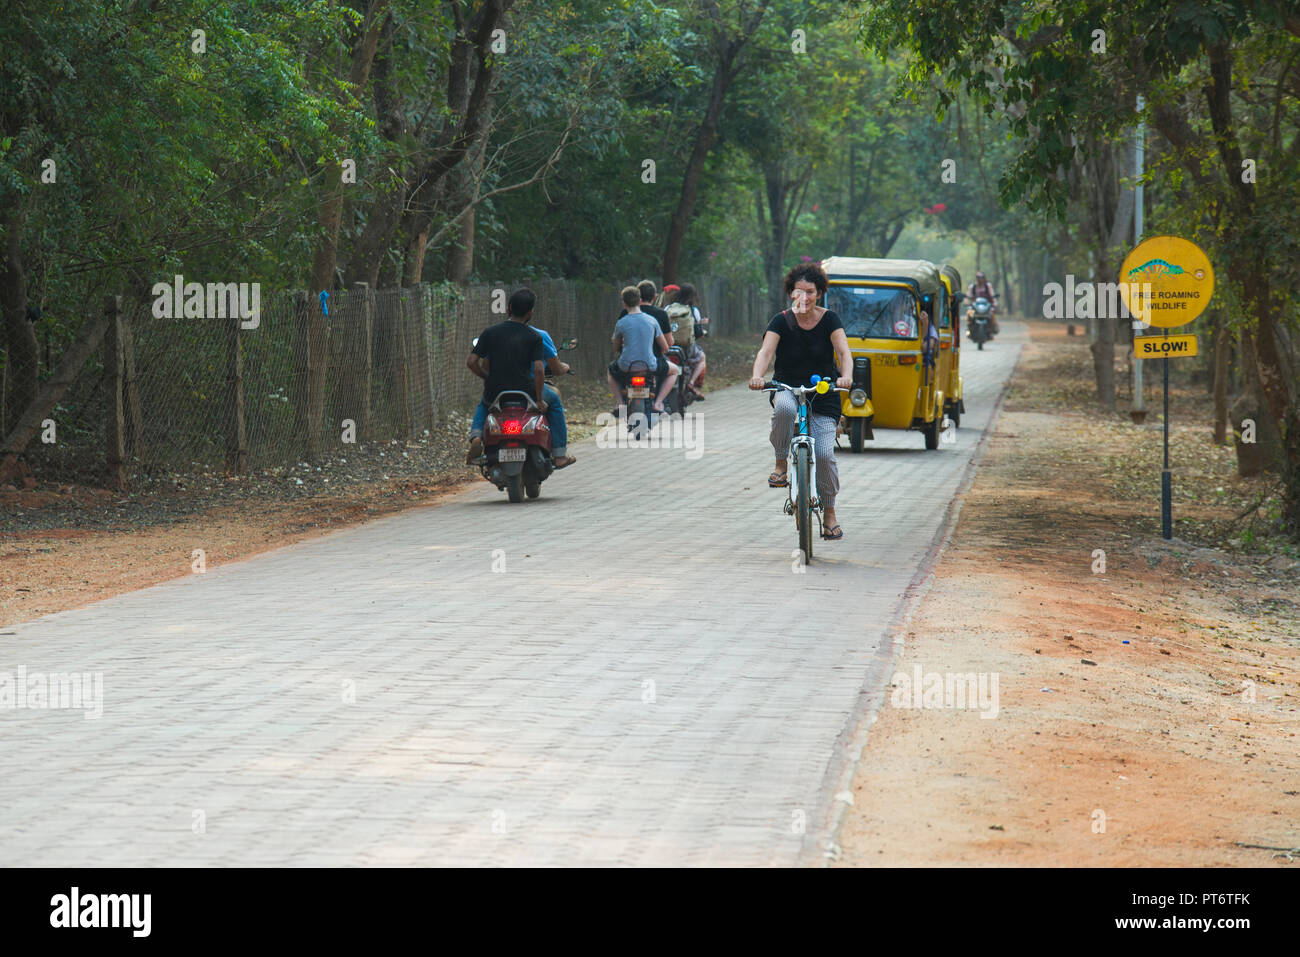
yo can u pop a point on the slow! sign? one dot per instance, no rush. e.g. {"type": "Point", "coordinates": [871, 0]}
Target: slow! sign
{"type": "Point", "coordinates": [1164, 347]}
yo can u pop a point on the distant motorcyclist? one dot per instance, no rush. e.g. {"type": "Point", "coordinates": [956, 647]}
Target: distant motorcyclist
{"type": "Point", "coordinates": [981, 288]}
{"type": "Point", "coordinates": [636, 336]}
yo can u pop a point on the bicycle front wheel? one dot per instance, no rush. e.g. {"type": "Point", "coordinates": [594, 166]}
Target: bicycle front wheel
{"type": "Point", "coordinates": [802, 506]}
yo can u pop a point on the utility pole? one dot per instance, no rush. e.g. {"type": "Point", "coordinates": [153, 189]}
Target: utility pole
{"type": "Point", "coordinates": [1138, 411]}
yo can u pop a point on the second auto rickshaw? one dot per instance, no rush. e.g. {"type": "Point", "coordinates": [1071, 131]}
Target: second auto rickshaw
{"type": "Point", "coordinates": [954, 405]}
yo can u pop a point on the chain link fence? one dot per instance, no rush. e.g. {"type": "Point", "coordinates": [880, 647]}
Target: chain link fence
{"type": "Point", "coordinates": [373, 366]}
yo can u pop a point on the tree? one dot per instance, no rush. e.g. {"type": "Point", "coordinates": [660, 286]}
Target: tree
{"type": "Point", "coordinates": [730, 25]}
{"type": "Point", "coordinates": [1060, 80]}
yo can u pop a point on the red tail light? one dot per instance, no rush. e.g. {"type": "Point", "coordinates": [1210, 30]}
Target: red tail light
{"type": "Point", "coordinates": [512, 426]}
{"type": "Point", "coordinates": [638, 380]}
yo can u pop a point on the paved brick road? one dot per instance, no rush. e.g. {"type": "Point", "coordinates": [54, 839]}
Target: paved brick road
{"type": "Point", "coordinates": [618, 695]}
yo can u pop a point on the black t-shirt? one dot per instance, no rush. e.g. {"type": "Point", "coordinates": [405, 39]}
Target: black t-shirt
{"type": "Point", "coordinates": [804, 353]}
{"type": "Point", "coordinates": [510, 348]}
{"type": "Point", "coordinates": [660, 316]}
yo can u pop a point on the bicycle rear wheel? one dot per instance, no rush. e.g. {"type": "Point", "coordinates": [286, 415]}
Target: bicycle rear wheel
{"type": "Point", "coordinates": [802, 507]}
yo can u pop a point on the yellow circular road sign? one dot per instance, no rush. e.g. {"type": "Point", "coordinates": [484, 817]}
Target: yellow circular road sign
{"type": "Point", "coordinates": [1166, 281]}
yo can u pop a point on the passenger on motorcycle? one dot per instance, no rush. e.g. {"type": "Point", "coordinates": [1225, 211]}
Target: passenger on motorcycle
{"type": "Point", "coordinates": [981, 287]}
{"type": "Point", "coordinates": [648, 293]}
{"type": "Point", "coordinates": [508, 356]}
{"type": "Point", "coordinates": [694, 354]}
{"type": "Point", "coordinates": [804, 341]}
{"type": "Point", "coordinates": [636, 335]}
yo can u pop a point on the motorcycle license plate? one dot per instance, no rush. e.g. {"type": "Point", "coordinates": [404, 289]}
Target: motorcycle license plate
{"type": "Point", "coordinates": [512, 455]}
{"type": "Point", "coordinates": [638, 393]}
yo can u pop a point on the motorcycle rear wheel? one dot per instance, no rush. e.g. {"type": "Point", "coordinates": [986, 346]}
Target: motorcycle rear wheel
{"type": "Point", "coordinates": [515, 488]}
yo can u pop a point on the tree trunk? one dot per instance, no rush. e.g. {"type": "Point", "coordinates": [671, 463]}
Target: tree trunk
{"type": "Point", "coordinates": [460, 258]}
{"type": "Point", "coordinates": [469, 83]}
{"type": "Point", "coordinates": [23, 351]}
{"type": "Point", "coordinates": [236, 431]}
{"type": "Point", "coordinates": [695, 170]}
{"type": "Point", "coordinates": [131, 392]}
{"type": "Point", "coordinates": [1222, 343]}
{"type": "Point", "coordinates": [29, 420]}
{"type": "Point", "coordinates": [1107, 179]}
{"type": "Point", "coordinates": [325, 259]}
{"type": "Point", "coordinates": [114, 363]}
{"type": "Point", "coordinates": [1264, 452]}
{"type": "Point", "coordinates": [462, 188]}
{"type": "Point", "coordinates": [1273, 365]}
{"type": "Point", "coordinates": [729, 49]}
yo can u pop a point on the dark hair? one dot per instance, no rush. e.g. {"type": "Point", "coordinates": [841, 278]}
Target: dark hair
{"type": "Point", "coordinates": [647, 290]}
{"type": "Point", "coordinates": [631, 296]}
{"type": "Point", "coordinates": [807, 272]}
{"type": "Point", "coordinates": [522, 301]}
{"type": "Point", "coordinates": [685, 294]}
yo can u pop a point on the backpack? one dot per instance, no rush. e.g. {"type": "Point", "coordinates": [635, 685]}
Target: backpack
{"type": "Point", "coordinates": [684, 334]}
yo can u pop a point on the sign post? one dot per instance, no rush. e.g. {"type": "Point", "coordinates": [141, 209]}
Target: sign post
{"type": "Point", "coordinates": [1166, 281]}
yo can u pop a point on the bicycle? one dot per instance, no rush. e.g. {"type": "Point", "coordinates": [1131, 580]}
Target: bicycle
{"type": "Point", "coordinates": [803, 502]}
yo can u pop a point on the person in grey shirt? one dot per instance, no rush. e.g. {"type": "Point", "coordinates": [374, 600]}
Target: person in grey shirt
{"type": "Point", "coordinates": [635, 337]}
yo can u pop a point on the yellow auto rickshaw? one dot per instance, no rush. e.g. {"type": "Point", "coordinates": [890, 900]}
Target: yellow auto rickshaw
{"type": "Point", "coordinates": [950, 339]}
{"type": "Point", "coordinates": [885, 305]}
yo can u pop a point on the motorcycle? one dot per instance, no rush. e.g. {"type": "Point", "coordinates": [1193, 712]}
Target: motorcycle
{"type": "Point", "coordinates": [641, 388]}
{"type": "Point", "coordinates": [979, 317]}
{"type": "Point", "coordinates": [517, 445]}
{"type": "Point", "coordinates": [517, 441]}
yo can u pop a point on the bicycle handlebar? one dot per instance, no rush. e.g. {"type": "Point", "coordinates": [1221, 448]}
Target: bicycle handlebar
{"type": "Point", "coordinates": [774, 386]}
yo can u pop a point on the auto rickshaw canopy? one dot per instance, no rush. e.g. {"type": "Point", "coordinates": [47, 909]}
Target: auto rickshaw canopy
{"type": "Point", "coordinates": [921, 275]}
{"type": "Point", "coordinates": [954, 280]}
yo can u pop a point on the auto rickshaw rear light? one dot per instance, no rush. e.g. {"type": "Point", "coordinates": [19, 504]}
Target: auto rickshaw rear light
{"type": "Point", "coordinates": [944, 344]}
{"type": "Point", "coordinates": [907, 360]}
{"type": "Point", "coordinates": [858, 398]}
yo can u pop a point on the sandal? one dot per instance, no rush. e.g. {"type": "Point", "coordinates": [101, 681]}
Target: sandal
{"type": "Point", "coordinates": [832, 534]}
{"type": "Point", "coordinates": [475, 451]}
{"type": "Point", "coordinates": [564, 461]}
{"type": "Point", "coordinates": [778, 479]}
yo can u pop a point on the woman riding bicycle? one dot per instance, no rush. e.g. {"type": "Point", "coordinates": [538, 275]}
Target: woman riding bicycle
{"type": "Point", "coordinates": [807, 340]}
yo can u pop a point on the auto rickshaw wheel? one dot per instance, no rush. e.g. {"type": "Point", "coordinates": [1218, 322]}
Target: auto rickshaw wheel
{"type": "Point", "coordinates": [931, 432]}
{"type": "Point", "coordinates": [857, 433]}
{"type": "Point", "coordinates": [954, 413]}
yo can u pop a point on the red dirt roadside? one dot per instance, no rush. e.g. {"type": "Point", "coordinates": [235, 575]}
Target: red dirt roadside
{"type": "Point", "coordinates": [1147, 715]}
